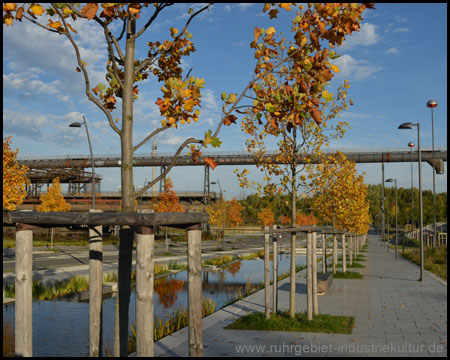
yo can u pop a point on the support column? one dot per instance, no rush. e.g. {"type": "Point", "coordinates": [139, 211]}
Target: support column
{"type": "Point", "coordinates": [144, 291]}
{"type": "Point", "coordinates": [309, 283]}
{"type": "Point", "coordinates": [344, 260]}
{"type": "Point", "coordinates": [195, 304]}
{"type": "Point", "coordinates": [335, 255]}
{"type": "Point", "coordinates": [23, 290]}
{"type": "Point", "coordinates": [324, 254]}
{"type": "Point", "coordinates": [267, 273]}
{"type": "Point", "coordinates": [124, 287]}
{"type": "Point", "coordinates": [275, 270]}
{"type": "Point", "coordinates": [95, 289]}
{"type": "Point", "coordinates": [314, 274]}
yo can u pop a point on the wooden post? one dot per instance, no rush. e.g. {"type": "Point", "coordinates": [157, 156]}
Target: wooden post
{"type": "Point", "coordinates": [344, 261]}
{"type": "Point", "coordinates": [124, 287]}
{"type": "Point", "coordinates": [95, 289]}
{"type": "Point", "coordinates": [195, 291]}
{"type": "Point", "coordinates": [335, 255]}
{"type": "Point", "coordinates": [314, 273]}
{"type": "Point", "coordinates": [324, 254]}
{"type": "Point", "coordinates": [267, 272]}
{"type": "Point", "coordinates": [292, 277]}
{"type": "Point", "coordinates": [350, 249]}
{"type": "Point", "coordinates": [309, 284]}
{"type": "Point", "coordinates": [144, 290]}
{"type": "Point", "coordinates": [275, 270]}
{"type": "Point", "coordinates": [24, 296]}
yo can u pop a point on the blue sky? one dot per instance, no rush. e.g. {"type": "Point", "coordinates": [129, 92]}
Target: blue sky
{"type": "Point", "coordinates": [395, 64]}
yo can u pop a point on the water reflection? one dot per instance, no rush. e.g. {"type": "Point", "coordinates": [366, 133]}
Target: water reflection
{"type": "Point", "coordinates": [168, 290]}
{"type": "Point", "coordinates": [55, 321]}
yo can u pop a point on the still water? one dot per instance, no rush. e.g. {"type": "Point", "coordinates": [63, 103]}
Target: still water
{"type": "Point", "coordinates": [62, 328]}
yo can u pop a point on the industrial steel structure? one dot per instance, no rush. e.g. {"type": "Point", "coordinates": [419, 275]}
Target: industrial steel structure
{"type": "Point", "coordinates": [70, 168]}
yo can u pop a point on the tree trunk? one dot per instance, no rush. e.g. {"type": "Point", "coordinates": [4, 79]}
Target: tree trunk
{"type": "Point", "coordinates": [126, 135]}
{"type": "Point", "coordinates": [126, 139]}
{"type": "Point", "coordinates": [293, 235]}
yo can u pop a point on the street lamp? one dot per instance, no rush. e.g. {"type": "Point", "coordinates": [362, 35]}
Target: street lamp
{"type": "Point", "coordinates": [411, 145]}
{"type": "Point", "coordinates": [396, 243]}
{"type": "Point", "coordinates": [432, 104]}
{"type": "Point", "coordinates": [409, 126]}
{"type": "Point", "coordinates": [223, 211]}
{"type": "Point", "coordinates": [77, 124]}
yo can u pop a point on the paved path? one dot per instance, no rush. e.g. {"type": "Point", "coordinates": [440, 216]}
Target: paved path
{"type": "Point", "coordinates": [395, 315]}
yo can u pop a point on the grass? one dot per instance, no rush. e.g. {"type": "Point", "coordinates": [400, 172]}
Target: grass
{"type": "Point", "coordinates": [219, 261]}
{"type": "Point", "coordinates": [177, 320]}
{"type": "Point", "coordinates": [435, 259]}
{"type": "Point", "coordinates": [322, 323]}
{"type": "Point", "coordinates": [347, 275]}
{"type": "Point", "coordinates": [353, 265]}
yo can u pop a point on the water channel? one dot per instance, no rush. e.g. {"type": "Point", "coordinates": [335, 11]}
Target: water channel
{"type": "Point", "coordinates": [61, 328]}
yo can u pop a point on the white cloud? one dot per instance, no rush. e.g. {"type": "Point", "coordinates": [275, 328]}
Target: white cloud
{"type": "Point", "coordinates": [392, 50]}
{"type": "Point", "coordinates": [366, 36]}
{"type": "Point", "coordinates": [402, 30]}
{"type": "Point", "coordinates": [354, 69]}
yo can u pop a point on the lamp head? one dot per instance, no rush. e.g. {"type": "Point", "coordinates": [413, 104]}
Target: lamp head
{"type": "Point", "coordinates": [389, 180]}
{"type": "Point", "coordinates": [406, 125]}
{"type": "Point", "coordinates": [431, 103]}
{"type": "Point", "coordinates": [75, 124]}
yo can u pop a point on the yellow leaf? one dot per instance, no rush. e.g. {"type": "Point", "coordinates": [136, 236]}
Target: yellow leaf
{"type": "Point", "coordinates": [231, 98]}
{"type": "Point", "coordinates": [327, 96]}
{"type": "Point", "coordinates": [285, 6]}
{"type": "Point", "coordinates": [270, 31]}
{"type": "Point", "coordinates": [37, 9]}
{"type": "Point", "coordinates": [335, 68]}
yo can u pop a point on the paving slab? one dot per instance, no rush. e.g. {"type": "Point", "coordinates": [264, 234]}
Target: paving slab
{"type": "Point", "coordinates": [395, 315]}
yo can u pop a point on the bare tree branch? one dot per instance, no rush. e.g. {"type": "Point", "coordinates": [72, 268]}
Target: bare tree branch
{"type": "Point", "coordinates": [39, 24]}
{"type": "Point", "coordinates": [171, 165]}
{"type": "Point", "coordinates": [155, 132]}
{"type": "Point", "coordinates": [86, 76]}
{"type": "Point", "coordinates": [148, 61]}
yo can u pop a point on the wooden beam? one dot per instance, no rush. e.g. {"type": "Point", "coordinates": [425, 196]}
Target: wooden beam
{"type": "Point", "coordinates": [55, 219]}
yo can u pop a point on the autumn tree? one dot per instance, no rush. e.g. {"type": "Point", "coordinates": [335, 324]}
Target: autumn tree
{"type": "Point", "coordinates": [340, 195]}
{"type": "Point", "coordinates": [53, 200]}
{"type": "Point", "coordinates": [292, 105]}
{"type": "Point", "coordinates": [168, 201]}
{"type": "Point", "coordinates": [14, 178]}
{"type": "Point", "coordinates": [266, 217]}
{"type": "Point", "coordinates": [234, 212]}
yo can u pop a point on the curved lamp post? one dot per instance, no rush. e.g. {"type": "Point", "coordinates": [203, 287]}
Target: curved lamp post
{"type": "Point", "coordinates": [396, 242]}
{"type": "Point", "coordinates": [77, 124]}
{"type": "Point", "coordinates": [411, 145]}
{"type": "Point", "coordinates": [432, 104]}
{"type": "Point", "coordinates": [409, 126]}
{"type": "Point", "coordinates": [223, 222]}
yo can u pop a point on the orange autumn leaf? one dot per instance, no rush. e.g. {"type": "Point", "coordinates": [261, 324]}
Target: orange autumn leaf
{"type": "Point", "coordinates": [90, 10]}
{"type": "Point", "coordinates": [210, 162]}
{"type": "Point", "coordinates": [230, 119]}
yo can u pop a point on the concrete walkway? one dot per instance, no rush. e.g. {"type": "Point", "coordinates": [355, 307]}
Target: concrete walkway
{"type": "Point", "coordinates": [395, 315]}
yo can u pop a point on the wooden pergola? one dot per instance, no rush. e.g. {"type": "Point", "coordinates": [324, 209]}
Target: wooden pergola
{"type": "Point", "coordinates": [139, 226]}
